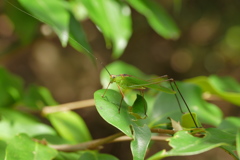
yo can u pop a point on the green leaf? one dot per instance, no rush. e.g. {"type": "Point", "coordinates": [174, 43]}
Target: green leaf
{"type": "Point", "coordinates": [52, 139]}
{"type": "Point", "coordinates": [106, 157]}
{"type": "Point", "coordinates": [54, 13]}
{"type": "Point", "coordinates": [22, 147]}
{"type": "Point", "coordinates": [78, 39]}
{"type": "Point", "coordinates": [93, 155]}
{"type": "Point", "coordinates": [88, 155]}
{"type": "Point", "coordinates": [139, 145]}
{"type": "Point", "coordinates": [157, 17]}
{"type": "Point", "coordinates": [226, 88]}
{"type": "Point", "coordinates": [187, 120]}
{"type": "Point", "coordinates": [166, 106]}
{"type": "Point", "coordinates": [108, 108]}
{"type": "Point", "coordinates": [183, 143]}
{"type": "Point", "coordinates": [230, 125]}
{"type": "Point", "coordinates": [38, 97]}
{"type": "Point", "coordinates": [13, 123]}
{"type": "Point", "coordinates": [238, 142]}
{"type": "Point", "coordinates": [26, 35]}
{"type": "Point", "coordinates": [70, 126]}
{"type": "Point", "coordinates": [3, 146]}
{"type": "Point", "coordinates": [113, 19]}
{"type": "Point", "coordinates": [67, 156]}
{"type": "Point", "coordinates": [139, 108]}
{"type": "Point", "coordinates": [11, 88]}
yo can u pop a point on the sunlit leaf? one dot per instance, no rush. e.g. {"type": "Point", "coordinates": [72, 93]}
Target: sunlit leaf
{"type": "Point", "coordinates": [58, 18]}
{"type": "Point", "coordinates": [114, 21]}
{"type": "Point", "coordinates": [23, 147]}
{"type": "Point", "coordinates": [183, 143]}
{"type": "Point", "coordinates": [226, 88]}
{"type": "Point", "coordinates": [188, 120]}
{"type": "Point", "coordinates": [70, 126]}
{"type": "Point", "coordinates": [157, 17]}
{"type": "Point", "coordinates": [14, 122]}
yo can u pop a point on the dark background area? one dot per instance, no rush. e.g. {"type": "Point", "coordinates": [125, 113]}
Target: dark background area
{"type": "Point", "coordinates": [209, 44]}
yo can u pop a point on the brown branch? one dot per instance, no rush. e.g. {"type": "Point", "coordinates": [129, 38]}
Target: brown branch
{"type": "Point", "coordinates": [97, 143]}
{"type": "Point", "coordinates": [118, 137]}
{"type": "Point", "coordinates": [86, 145]}
{"type": "Point", "coordinates": [164, 131]}
{"type": "Point", "coordinates": [154, 138]}
{"type": "Point", "coordinates": [68, 106]}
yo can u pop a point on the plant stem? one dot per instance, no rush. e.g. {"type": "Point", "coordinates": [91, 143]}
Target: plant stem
{"type": "Point", "coordinates": [94, 144]}
{"type": "Point", "coordinates": [68, 106]}
{"type": "Point", "coordinates": [165, 131]}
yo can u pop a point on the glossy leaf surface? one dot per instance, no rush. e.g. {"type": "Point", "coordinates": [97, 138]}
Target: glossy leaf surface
{"type": "Point", "coordinates": [70, 126]}
{"type": "Point", "coordinates": [108, 108]}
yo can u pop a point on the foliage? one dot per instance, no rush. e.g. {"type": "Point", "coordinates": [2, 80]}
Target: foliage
{"type": "Point", "coordinates": [68, 127]}
{"type": "Point", "coordinates": [112, 17]}
{"type": "Point", "coordinates": [164, 106]}
{"type": "Point", "coordinates": [25, 136]}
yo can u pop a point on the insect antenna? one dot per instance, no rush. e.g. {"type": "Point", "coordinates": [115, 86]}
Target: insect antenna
{"type": "Point", "coordinates": [171, 80]}
{"type": "Point", "coordinates": [105, 68]}
{"type": "Point", "coordinates": [179, 104]}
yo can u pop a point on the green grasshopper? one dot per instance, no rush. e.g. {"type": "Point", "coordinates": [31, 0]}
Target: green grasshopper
{"type": "Point", "coordinates": [125, 81]}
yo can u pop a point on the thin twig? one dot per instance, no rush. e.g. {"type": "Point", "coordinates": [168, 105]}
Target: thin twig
{"type": "Point", "coordinates": [165, 131]}
{"type": "Point", "coordinates": [68, 106]}
{"type": "Point", "coordinates": [154, 138]}
{"type": "Point", "coordinates": [97, 143]}
{"type": "Point", "coordinates": [86, 145]}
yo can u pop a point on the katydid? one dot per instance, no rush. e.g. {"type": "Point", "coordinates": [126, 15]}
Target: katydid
{"type": "Point", "coordinates": [125, 81]}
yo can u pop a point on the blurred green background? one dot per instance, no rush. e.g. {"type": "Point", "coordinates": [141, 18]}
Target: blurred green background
{"type": "Point", "coordinates": [209, 44]}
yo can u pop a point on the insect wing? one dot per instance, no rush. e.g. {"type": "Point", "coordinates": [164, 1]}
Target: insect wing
{"type": "Point", "coordinates": [136, 83]}
{"type": "Point", "coordinates": [131, 82]}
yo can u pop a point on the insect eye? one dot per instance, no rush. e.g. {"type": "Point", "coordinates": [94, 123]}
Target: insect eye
{"type": "Point", "coordinates": [113, 76]}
